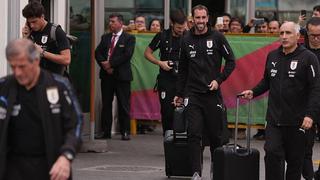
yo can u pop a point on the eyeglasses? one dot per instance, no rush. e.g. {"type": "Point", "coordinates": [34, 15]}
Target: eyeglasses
{"type": "Point", "coordinates": [313, 36]}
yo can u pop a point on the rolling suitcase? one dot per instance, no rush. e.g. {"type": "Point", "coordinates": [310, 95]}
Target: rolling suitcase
{"type": "Point", "coordinates": [233, 162]}
{"type": "Point", "coordinates": [177, 161]}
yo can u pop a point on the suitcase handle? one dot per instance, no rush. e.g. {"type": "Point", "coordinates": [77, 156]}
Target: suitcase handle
{"type": "Point", "coordinates": [237, 122]}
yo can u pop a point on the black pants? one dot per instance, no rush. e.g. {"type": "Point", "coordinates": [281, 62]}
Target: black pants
{"type": "Point", "coordinates": [203, 113]}
{"type": "Point", "coordinates": [307, 170]}
{"type": "Point", "coordinates": [22, 168]}
{"type": "Point", "coordinates": [284, 144]}
{"type": "Point", "coordinates": [109, 87]}
{"type": "Point", "coordinates": [166, 92]}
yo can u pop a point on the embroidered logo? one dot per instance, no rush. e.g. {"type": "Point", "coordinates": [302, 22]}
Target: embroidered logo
{"type": "Point", "coordinates": [44, 39]}
{"type": "Point", "coordinates": [209, 43]}
{"type": "Point", "coordinates": [293, 64]}
{"type": "Point", "coordinates": [53, 95]}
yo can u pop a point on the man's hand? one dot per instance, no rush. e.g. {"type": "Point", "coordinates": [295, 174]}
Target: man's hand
{"type": "Point", "coordinates": [247, 94]}
{"type": "Point", "coordinates": [106, 65]}
{"type": "Point", "coordinates": [164, 65]}
{"type": "Point", "coordinates": [39, 48]}
{"type": "Point", "coordinates": [61, 169]}
{"type": "Point", "coordinates": [301, 19]}
{"type": "Point", "coordinates": [110, 71]}
{"type": "Point", "coordinates": [307, 123]}
{"type": "Point", "coordinates": [213, 85]}
{"type": "Point", "coordinates": [177, 101]}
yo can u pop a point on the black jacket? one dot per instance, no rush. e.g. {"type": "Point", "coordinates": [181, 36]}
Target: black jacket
{"type": "Point", "coordinates": [293, 84]}
{"type": "Point", "coordinates": [62, 130]}
{"type": "Point", "coordinates": [200, 62]}
{"type": "Point", "coordinates": [122, 54]}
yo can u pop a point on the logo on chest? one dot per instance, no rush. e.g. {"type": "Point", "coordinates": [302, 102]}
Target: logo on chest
{"type": "Point", "coordinates": [44, 39]}
{"type": "Point", "coordinates": [293, 64]}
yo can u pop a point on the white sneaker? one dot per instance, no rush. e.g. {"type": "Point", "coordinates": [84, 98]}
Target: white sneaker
{"type": "Point", "coordinates": [196, 176]}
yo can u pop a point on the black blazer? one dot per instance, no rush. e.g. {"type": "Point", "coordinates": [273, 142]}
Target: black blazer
{"type": "Point", "coordinates": [120, 60]}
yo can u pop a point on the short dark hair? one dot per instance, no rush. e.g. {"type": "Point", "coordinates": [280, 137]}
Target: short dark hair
{"type": "Point", "coordinates": [200, 7]}
{"type": "Point", "coordinates": [117, 15]}
{"type": "Point", "coordinates": [315, 21]}
{"type": "Point", "coordinates": [178, 16]}
{"type": "Point", "coordinates": [226, 14]}
{"type": "Point", "coordinates": [316, 8]}
{"type": "Point", "coordinates": [236, 19]}
{"type": "Point", "coordinates": [33, 9]}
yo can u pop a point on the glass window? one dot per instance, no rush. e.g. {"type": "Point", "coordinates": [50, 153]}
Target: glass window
{"type": "Point", "coordinates": [241, 9]}
{"type": "Point", "coordinates": [149, 4]}
{"type": "Point", "coordinates": [119, 3]}
{"type": "Point", "coordinates": [79, 69]}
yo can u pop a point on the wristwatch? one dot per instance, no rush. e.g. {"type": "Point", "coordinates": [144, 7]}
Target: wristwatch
{"type": "Point", "coordinates": [68, 155]}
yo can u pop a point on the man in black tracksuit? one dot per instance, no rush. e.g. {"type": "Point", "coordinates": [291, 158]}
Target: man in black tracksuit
{"type": "Point", "coordinates": [292, 77]}
{"type": "Point", "coordinates": [169, 42]}
{"type": "Point", "coordinates": [198, 83]}
{"type": "Point", "coordinates": [40, 119]}
{"type": "Point", "coordinates": [312, 42]}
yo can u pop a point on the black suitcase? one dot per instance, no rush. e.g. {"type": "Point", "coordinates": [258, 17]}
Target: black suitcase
{"type": "Point", "coordinates": [233, 162]}
{"type": "Point", "coordinates": [177, 161]}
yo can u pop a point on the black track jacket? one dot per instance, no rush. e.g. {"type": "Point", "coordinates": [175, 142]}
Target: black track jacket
{"type": "Point", "coordinates": [293, 84]}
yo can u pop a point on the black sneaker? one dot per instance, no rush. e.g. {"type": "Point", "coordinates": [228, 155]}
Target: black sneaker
{"type": "Point", "coordinates": [260, 134]}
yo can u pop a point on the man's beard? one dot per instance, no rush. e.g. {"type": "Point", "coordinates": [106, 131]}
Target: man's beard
{"type": "Point", "coordinates": [200, 27]}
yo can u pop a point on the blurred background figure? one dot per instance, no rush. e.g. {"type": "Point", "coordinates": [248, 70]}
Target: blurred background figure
{"type": "Point", "coordinates": [274, 26]}
{"type": "Point", "coordinates": [140, 23]}
{"type": "Point", "coordinates": [155, 25]}
{"type": "Point", "coordinates": [190, 22]}
{"type": "Point", "coordinates": [236, 25]}
{"type": "Point", "coordinates": [226, 21]}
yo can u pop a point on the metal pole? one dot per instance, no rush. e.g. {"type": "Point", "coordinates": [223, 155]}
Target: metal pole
{"type": "Point", "coordinates": [166, 14]}
{"type": "Point", "coordinates": [92, 71]}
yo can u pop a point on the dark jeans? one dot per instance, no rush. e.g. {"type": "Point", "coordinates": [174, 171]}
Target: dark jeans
{"type": "Point", "coordinates": [284, 144]}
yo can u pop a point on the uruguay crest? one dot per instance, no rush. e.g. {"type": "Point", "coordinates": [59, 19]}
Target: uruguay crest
{"type": "Point", "coordinates": [44, 39]}
{"type": "Point", "coordinates": [293, 64]}
{"type": "Point", "coordinates": [209, 43]}
{"type": "Point", "coordinates": [53, 95]}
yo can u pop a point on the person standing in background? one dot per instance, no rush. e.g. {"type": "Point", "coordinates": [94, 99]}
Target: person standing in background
{"type": "Point", "coordinates": [113, 55]}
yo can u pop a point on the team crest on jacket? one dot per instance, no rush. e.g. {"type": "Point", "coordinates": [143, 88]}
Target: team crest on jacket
{"type": "Point", "coordinates": [44, 39]}
{"type": "Point", "coordinates": [53, 95]}
{"type": "Point", "coordinates": [3, 113]}
{"type": "Point", "coordinates": [209, 43]}
{"type": "Point", "coordinates": [293, 64]}
{"type": "Point", "coordinates": [163, 94]}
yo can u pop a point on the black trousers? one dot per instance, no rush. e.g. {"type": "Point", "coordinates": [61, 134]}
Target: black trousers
{"type": "Point", "coordinates": [22, 168]}
{"type": "Point", "coordinates": [307, 170]}
{"type": "Point", "coordinates": [203, 113]}
{"type": "Point", "coordinates": [122, 90]}
{"type": "Point", "coordinates": [166, 92]}
{"type": "Point", "coordinates": [284, 144]}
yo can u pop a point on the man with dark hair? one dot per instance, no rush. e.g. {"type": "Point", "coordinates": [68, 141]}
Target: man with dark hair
{"type": "Point", "coordinates": [40, 119]}
{"type": "Point", "coordinates": [198, 84]}
{"type": "Point", "coordinates": [236, 25]}
{"type": "Point", "coordinates": [226, 22]}
{"type": "Point", "coordinates": [274, 26]}
{"type": "Point", "coordinates": [54, 51]}
{"type": "Point", "coordinates": [169, 43]}
{"type": "Point", "coordinates": [113, 55]}
{"type": "Point", "coordinates": [291, 76]}
{"type": "Point", "coordinates": [312, 42]}
{"type": "Point", "coordinates": [316, 11]}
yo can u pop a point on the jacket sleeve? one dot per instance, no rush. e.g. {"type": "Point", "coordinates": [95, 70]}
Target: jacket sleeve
{"type": "Point", "coordinates": [264, 83]}
{"type": "Point", "coordinates": [313, 74]}
{"type": "Point", "coordinates": [182, 73]}
{"type": "Point", "coordinates": [72, 120]}
{"type": "Point", "coordinates": [99, 52]}
{"type": "Point", "coordinates": [130, 45]}
{"type": "Point", "coordinates": [228, 55]}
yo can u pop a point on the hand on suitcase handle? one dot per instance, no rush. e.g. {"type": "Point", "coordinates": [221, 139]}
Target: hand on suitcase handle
{"type": "Point", "coordinates": [247, 94]}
